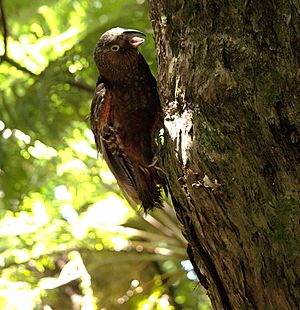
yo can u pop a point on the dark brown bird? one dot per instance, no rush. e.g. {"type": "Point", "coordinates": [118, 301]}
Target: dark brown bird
{"type": "Point", "coordinates": [126, 114]}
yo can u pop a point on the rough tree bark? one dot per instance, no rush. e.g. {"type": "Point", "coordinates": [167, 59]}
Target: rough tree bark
{"type": "Point", "coordinates": [229, 83]}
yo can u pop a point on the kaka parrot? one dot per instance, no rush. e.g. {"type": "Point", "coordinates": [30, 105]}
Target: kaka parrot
{"type": "Point", "coordinates": [126, 114]}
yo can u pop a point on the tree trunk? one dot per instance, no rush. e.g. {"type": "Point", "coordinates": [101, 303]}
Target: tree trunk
{"type": "Point", "coordinates": [228, 77]}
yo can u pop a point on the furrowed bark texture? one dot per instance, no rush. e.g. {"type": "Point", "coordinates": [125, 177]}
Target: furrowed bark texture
{"type": "Point", "coordinates": [229, 83]}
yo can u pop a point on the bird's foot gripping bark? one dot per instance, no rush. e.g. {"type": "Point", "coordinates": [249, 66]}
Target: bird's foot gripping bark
{"type": "Point", "coordinates": [154, 162]}
{"type": "Point", "coordinates": [159, 171]}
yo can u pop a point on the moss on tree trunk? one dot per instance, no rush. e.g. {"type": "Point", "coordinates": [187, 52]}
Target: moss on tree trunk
{"type": "Point", "coordinates": [229, 83]}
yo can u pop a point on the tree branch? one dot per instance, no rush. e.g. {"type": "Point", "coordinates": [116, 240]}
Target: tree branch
{"type": "Point", "coordinates": [5, 35]}
{"type": "Point", "coordinates": [12, 62]}
{"type": "Point", "coordinates": [81, 86]}
{"type": "Point", "coordinates": [4, 27]}
{"type": "Point", "coordinates": [17, 65]}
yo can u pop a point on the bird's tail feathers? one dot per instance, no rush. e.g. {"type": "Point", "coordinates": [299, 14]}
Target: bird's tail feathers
{"type": "Point", "coordinates": [147, 187]}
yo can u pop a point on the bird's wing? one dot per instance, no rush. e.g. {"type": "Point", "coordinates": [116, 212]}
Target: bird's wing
{"type": "Point", "coordinates": [97, 110]}
{"type": "Point", "coordinates": [106, 137]}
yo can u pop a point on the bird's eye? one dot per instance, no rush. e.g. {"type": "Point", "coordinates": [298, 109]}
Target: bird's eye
{"type": "Point", "coordinates": [115, 48]}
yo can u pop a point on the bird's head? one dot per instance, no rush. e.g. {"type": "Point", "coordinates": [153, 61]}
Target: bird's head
{"type": "Point", "coordinates": [116, 52]}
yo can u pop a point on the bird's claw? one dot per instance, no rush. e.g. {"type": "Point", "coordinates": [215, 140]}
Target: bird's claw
{"type": "Point", "coordinates": [156, 167]}
{"type": "Point", "coordinates": [154, 162]}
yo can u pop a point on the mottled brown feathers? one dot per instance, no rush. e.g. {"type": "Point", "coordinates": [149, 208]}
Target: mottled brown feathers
{"type": "Point", "coordinates": [125, 115]}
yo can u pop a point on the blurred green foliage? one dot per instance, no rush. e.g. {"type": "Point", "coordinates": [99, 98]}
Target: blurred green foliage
{"type": "Point", "coordinates": [68, 239]}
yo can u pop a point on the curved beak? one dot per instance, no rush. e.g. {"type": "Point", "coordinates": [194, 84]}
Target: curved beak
{"type": "Point", "coordinates": [133, 32]}
{"type": "Point", "coordinates": [134, 37]}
